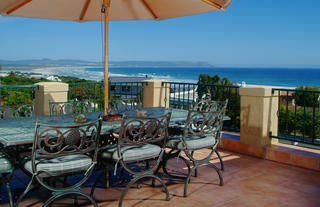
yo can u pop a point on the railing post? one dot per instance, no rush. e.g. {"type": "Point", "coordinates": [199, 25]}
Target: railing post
{"type": "Point", "coordinates": [49, 91]}
{"type": "Point", "coordinates": [258, 115]}
{"type": "Point", "coordinates": [154, 94]}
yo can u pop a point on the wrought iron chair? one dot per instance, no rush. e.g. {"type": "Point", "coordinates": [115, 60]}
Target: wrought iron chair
{"type": "Point", "coordinates": [206, 104]}
{"type": "Point", "coordinates": [120, 105]}
{"type": "Point", "coordinates": [201, 131]}
{"type": "Point", "coordinates": [203, 104]}
{"type": "Point", "coordinates": [59, 151]}
{"type": "Point", "coordinates": [6, 166]}
{"type": "Point", "coordinates": [6, 171]}
{"type": "Point", "coordinates": [25, 110]}
{"type": "Point", "coordinates": [69, 107]}
{"type": "Point", "coordinates": [140, 140]}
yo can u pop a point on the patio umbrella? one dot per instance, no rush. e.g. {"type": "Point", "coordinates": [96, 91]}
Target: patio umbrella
{"type": "Point", "coordinates": [112, 10]}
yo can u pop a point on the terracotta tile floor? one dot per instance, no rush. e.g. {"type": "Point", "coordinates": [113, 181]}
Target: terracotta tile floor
{"type": "Point", "coordinates": [248, 182]}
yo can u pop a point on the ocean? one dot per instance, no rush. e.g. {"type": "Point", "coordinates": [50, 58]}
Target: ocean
{"type": "Point", "coordinates": [252, 76]}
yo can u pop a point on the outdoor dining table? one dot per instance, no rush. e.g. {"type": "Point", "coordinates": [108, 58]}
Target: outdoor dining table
{"type": "Point", "coordinates": [20, 131]}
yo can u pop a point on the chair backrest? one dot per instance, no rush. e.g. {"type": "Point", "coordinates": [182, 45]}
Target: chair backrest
{"type": "Point", "coordinates": [208, 121]}
{"type": "Point", "coordinates": [120, 105]}
{"type": "Point", "coordinates": [55, 142]}
{"type": "Point", "coordinates": [205, 103]}
{"type": "Point", "coordinates": [143, 130]}
{"type": "Point", "coordinates": [26, 110]}
{"type": "Point", "coordinates": [52, 140]}
{"type": "Point", "coordinates": [6, 112]}
{"type": "Point", "coordinates": [69, 107]}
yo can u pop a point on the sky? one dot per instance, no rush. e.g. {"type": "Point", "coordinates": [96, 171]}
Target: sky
{"type": "Point", "coordinates": [251, 33]}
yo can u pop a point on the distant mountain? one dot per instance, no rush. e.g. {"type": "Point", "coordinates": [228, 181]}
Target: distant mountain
{"type": "Point", "coordinates": [47, 62]}
{"type": "Point", "coordinates": [159, 64]}
{"type": "Point", "coordinates": [35, 63]}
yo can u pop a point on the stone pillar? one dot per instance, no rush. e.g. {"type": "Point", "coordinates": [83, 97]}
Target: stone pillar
{"type": "Point", "coordinates": [156, 93]}
{"type": "Point", "coordinates": [258, 115]}
{"type": "Point", "coordinates": [49, 91]}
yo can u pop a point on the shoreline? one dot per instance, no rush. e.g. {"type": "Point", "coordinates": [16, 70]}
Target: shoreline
{"type": "Point", "coordinates": [83, 72]}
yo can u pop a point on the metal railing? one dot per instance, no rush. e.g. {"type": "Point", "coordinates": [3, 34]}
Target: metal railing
{"type": "Point", "coordinates": [184, 95]}
{"type": "Point", "coordinates": [298, 116]}
{"type": "Point", "coordinates": [129, 92]}
{"type": "Point", "coordinates": [180, 95]}
{"type": "Point", "coordinates": [15, 95]}
{"type": "Point", "coordinates": [126, 91]}
{"type": "Point", "coordinates": [92, 92]}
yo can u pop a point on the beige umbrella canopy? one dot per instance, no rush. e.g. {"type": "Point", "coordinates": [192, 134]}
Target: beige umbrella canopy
{"type": "Point", "coordinates": [114, 10]}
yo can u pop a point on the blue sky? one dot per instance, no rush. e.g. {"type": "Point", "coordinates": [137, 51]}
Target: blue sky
{"type": "Point", "coordinates": [251, 33]}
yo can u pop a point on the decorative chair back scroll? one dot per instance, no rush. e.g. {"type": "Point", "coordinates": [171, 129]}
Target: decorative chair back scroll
{"type": "Point", "coordinates": [69, 107]}
{"type": "Point", "coordinates": [206, 118]}
{"type": "Point", "coordinates": [26, 110]}
{"type": "Point", "coordinates": [207, 104]}
{"type": "Point", "coordinates": [52, 141]}
{"type": "Point", "coordinates": [143, 130]}
{"type": "Point", "coordinates": [119, 105]}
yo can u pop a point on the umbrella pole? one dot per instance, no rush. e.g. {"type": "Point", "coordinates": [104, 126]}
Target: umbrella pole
{"type": "Point", "coordinates": [106, 7]}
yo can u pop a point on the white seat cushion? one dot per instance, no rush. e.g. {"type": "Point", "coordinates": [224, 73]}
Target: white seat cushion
{"type": "Point", "coordinates": [192, 143]}
{"type": "Point", "coordinates": [5, 165]}
{"type": "Point", "coordinates": [133, 153]}
{"type": "Point", "coordinates": [61, 165]}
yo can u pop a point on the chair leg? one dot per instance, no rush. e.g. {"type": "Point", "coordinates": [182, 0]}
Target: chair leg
{"type": "Point", "coordinates": [96, 182]}
{"type": "Point", "coordinates": [156, 172]}
{"type": "Point", "coordinates": [134, 180]}
{"type": "Point", "coordinates": [219, 173]}
{"type": "Point", "coordinates": [5, 179]}
{"type": "Point", "coordinates": [196, 170]}
{"type": "Point", "coordinates": [58, 195]}
{"type": "Point", "coordinates": [29, 187]}
{"type": "Point", "coordinates": [221, 161]}
{"type": "Point", "coordinates": [188, 180]}
{"type": "Point", "coordinates": [107, 179]}
{"type": "Point", "coordinates": [9, 194]}
{"type": "Point", "coordinates": [170, 155]}
{"type": "Point", "coordinates": [75, 201]}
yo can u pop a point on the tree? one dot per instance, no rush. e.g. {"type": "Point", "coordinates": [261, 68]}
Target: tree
{"type": "Point", "coordinates": [308, 99]}
{"type": "Point", "coordinates": [220, 90]}
{"type": "Point", "coordinates": [302, 122]}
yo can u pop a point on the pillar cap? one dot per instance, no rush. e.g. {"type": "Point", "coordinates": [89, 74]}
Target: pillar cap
{"type": "Point", "coordinates": [53, 86]}
{"type": "Point", "coordinates": [154, 83]}
{"type": "Point", "coordinates": [262, 91]}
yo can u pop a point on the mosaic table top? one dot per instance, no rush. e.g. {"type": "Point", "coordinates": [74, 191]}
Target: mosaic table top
{"type": "Point", "coordinates": [18, 131]}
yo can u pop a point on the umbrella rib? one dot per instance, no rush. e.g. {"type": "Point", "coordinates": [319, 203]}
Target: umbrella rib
{"type": "Point", "coordinates": [18, 6]}
{"type": "Point", "coordinates": [84, 10]}
{"type": "Point", "coordinates": [214, 4]}
{"type": "Point", "coordinates": [149, 9]}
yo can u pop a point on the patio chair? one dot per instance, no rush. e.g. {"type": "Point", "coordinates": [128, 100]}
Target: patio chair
{"type": "Point", "coordinates": [6, 171]}
{"type": "Point", "coordinates": [120, 105]}
{"type": "Point", "coordinates": [206, 104]}
{"type": "Point", "coordinates": [201, 131]}
{"type": "Point", "coordinates": [69, 107]}
{"type": "Point", "coordinates": [6, 112]}
{"type": "Point", "coordinates": [25, 110]}
{"type": "Point", "coordinates": [61, 151]}
{"type": "Point", "coordinates": [140, 141]}
{"type": "Point", "coordinates": [203, 104]}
